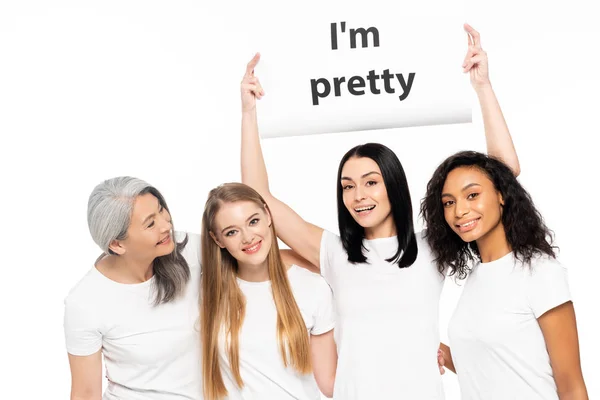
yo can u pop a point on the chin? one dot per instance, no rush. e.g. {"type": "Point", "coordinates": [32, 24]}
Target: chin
{"type": "Point", "coordinates": [166, 251]}
{"type": "Point", "coordinates": [468, 236]}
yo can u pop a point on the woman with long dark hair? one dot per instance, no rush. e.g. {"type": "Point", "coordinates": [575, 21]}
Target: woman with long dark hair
{"type": "Point", "coordinates": [384, 280]}
{"type": "Point", "coordinates": [513, 334]}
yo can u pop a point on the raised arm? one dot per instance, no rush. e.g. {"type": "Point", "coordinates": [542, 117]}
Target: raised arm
{"type": "Point", "coordinates": [86, 376]}
{"type": "Point", "coordinates": [302, 237]}
{"type": "Point", "coordinates": [497, 136]}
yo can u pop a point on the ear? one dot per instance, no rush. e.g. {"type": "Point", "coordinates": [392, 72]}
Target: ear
{"type": "Point", "coordinates": [116, 246]}
{"type": "Point", "coordinates": [212, 235]}
{"type": "Point", "coordinates": [269, 220]}
{"type": "Point", "coordinates": [501, 199]}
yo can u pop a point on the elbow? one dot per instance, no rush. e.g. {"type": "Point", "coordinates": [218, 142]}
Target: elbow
{"type": "Point", "coordinates": [325, 384]}
{"type": "Point", "coordinates": [516, 169]}
{"type": "Point", "coordinates": [572, 389]}
{"type": "Point", "coordinates": [327, 387]}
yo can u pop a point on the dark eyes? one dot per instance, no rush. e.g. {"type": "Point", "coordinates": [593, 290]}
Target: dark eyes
{"type": "Point", "coordinates": [231, 232]}
{"type": "Point", "coordinates": [369, 183]}
{"type": "Point", "coordinates": [449, 203]}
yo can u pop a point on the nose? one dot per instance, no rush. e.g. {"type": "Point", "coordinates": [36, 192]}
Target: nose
{"type": "Point", "coordinates": [359, 193]}
{"type": "Point", "coordinates": [166, 224]}
{"type": "Point", "coordinates": [461, 209]}
{"type": "Point", "coordinates": [247, 237]}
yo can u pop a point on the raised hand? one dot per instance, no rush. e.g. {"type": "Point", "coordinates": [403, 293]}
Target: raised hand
{"type": "Point", "coordinates": [250, 86]}
{"type": "Point", "coordinates": [476, 61]}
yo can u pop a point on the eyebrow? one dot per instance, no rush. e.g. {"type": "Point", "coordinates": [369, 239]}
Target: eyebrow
{"type": "Point", "coordinates": [345, 178]}
{"type": "Point", "coordinates": [148, 218]}
{"type": "Point", "coordinates": [231, 226]}
{"type": "Point", "coordinates": [463, 189]}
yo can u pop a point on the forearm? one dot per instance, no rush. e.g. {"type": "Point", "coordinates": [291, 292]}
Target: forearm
{"type": "Point", "coordinates": [254, 171]}
{"type": "Point", "coordinates": [497, 136]}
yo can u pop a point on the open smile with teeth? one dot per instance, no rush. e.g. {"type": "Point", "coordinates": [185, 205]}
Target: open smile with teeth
{"type": "Point", "coordinates": [253, 248]}
{"type": "Point", "coordinates": [165, 240]}
{"type": "Point", "coordinates": [363, 209]}
{"type": "Point", "coordinates": [467, 225]}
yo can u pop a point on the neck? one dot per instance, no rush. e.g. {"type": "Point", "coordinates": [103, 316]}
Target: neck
{"type": "Point", "coordinates": [493, 245]}
{"type": "Point", "coordinates": [253, 273]}
{"type": "Point", "coordinates": [387, 228]}
{"type": "Point", "coordinates": [127, 269]}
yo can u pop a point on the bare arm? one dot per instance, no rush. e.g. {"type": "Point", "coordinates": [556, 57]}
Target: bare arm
{"type": "Point", "coordinates": [290, 258]}
{"type": "Point", "coordinates": [323, 352]}
{"type": "Point", "coordinates": [303, 237]}
{"type": "Point", "coordinates": [86, 376]}
{"type": "Point", "coordinates": [446, 358]}
{"type": "Point", "coordinates": [497, 136]}
{"type": "Point", "coordinates": [559, 328]}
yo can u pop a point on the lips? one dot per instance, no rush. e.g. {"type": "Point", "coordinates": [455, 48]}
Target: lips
{"type": "Point", "coordinates": [165, 240]}
{"type": "Point", "coordinates": [253, 248]}
{"type": "Point", "coordinates": [364, 210]}
{"type": "Point", "coordinates": [466, 226]}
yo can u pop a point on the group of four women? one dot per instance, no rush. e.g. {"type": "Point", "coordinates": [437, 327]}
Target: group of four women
{"type": "Point", "coordinates": [229, 315]}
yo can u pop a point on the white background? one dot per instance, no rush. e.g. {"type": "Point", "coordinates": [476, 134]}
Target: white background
{"type": "Point", "coordinates": [89, 91]}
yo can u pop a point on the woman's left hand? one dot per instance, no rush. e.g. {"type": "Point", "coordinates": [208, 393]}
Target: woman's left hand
{"type": "Point", "coordinates": [476, 61]}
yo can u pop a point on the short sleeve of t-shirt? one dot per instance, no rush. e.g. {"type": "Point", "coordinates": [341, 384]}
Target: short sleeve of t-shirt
{"type": "Point", "coordinates": [324, 316]}
{"type": "Point", "coordinates": [330, 251]}
{"type": "Point", "coordinates": [548, 286]}
{"type": "Point", "coordinates": [82, 333]}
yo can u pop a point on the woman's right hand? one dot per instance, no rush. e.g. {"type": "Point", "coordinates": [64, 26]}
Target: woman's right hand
{"type": "Point", "coordinates": [250, 87]}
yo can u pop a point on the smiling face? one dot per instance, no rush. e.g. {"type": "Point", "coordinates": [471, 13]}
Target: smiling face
{"type": "Point", "coordinates": [472, 205]}
{"type": "Point", "coordinates": [244, 229]}
{"type": "Point", "coordinates": [149, 234]}
{"type": "Point", "coordinates": [364, 193]}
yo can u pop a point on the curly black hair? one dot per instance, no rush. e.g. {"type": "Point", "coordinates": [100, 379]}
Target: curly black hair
{"type": "Point", "coordinates": [526, 232]}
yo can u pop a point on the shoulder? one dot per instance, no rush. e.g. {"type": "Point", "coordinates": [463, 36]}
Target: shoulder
{"type": "Point", "coordinates": [545, 267]}
{"type": "Point", "coordinates": [301, 278]}
{"type": "Point", "coordinates": [88, 292]}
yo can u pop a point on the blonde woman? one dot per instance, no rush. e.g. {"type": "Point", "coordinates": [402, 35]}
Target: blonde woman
{"type": "Point", "coordinates": [266, 325]}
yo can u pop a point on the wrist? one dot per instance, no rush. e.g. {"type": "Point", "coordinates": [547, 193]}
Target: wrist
{"type": "Point", "coordinates": [249, 113]}
{"type": "Point", "coordinates": [483, 88]}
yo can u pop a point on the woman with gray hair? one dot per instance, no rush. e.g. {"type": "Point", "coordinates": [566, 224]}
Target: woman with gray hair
{"type": "Point", "coordinates": [138, 304]}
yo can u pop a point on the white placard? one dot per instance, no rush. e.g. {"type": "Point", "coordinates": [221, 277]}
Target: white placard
{"type": "Point", "coordinates": [330, 67]}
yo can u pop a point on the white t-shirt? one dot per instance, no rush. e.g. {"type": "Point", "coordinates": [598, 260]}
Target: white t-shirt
{"type": "Point", "coordinates": [387, 328]}
{"type": "Point", "coordinates": [150, 352]}
{"type": "Point", "coordinates": [497, 345]}
{"type": "Point", "coordinates": [261, 366]}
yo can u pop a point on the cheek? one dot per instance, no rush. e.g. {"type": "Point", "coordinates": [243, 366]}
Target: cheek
{"type": "Point", "coordinates": [347, 198]}
{"type": "Point", "coordinates": [231, 245]}
{"type": "Point", "coordinates": [449, 216]}
{"type": "Point", "coordinates": [379, 193]}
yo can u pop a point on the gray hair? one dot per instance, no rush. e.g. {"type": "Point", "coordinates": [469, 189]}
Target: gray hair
{"type": "Point", "coordinates": [109, 214]}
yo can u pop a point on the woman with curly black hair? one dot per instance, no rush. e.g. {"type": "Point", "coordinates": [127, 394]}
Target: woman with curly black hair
{"type": "Point", "coordinates": [513, 333]}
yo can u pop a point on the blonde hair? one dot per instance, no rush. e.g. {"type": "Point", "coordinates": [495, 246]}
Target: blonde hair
{"type": "Point", "coordinates": [223, 303]}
